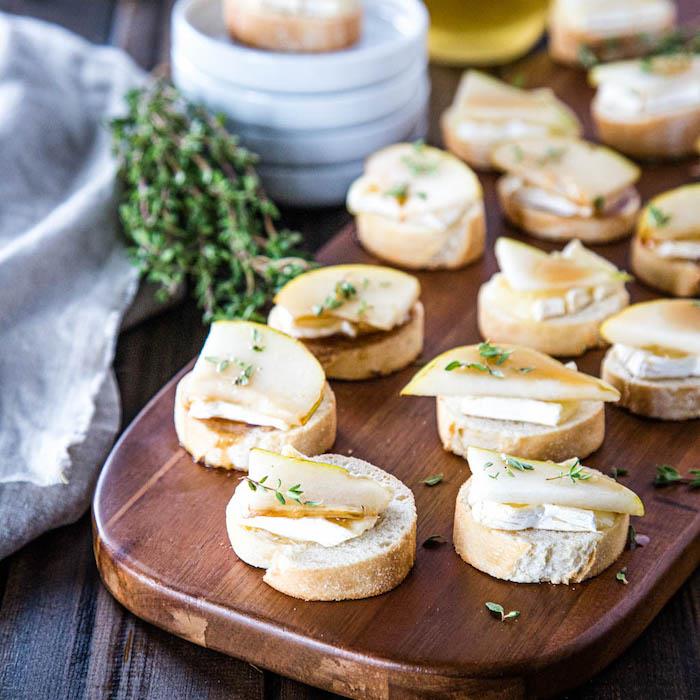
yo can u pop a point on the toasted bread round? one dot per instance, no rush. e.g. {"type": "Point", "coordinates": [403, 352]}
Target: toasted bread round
{"type": "Point", "coordinates": [226, 444]}
{"type": "Point", "coordinates": [535, 556]}
{"type": "Point", "coordinates": [373, 354]}
{"type": "Point", "coordinates": [418, 248]}
{"type": "Point", "coordinates": [667, 399]}
{"type": "Point", "coordinates": [373, 563]}
{"type": "Point", "coordinates": [681, 278]}
{"type": "Point", "coordinates": [569, 335]}
{"type": "Point", "coordinates": [579, 436]}
{"type": "Point", "coordinates": [256, 25]}
{"type": "Point", "coordinates": [657, 136]}
{"type": "Point", "coordinates": [475, 153]}
{"type": "Point", "coordinates": [552, 227]}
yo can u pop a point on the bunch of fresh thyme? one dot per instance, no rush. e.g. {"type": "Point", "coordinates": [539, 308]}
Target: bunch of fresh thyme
{"type": "Point", "coordinates": [193, 208]}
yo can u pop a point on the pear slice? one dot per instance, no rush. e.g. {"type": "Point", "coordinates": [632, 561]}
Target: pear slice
{"type": "Point", "coordinates": [576, 251]}
{"type": "Point", "coordinates": [480, 96]}
{"type": "Point", "coordinates": [509, 479]}
{"type": "Point", "coordinates": [294, 487]}
{"type": "Point", "coordinates": [673, 215]}
{"type": "Point", "coordinates": [380, 297]}
{"type": "Point", "coordinates": [529, 269]}
{"type": "Point", "coordinates": [524, 374]}
{"type": "Point", "coordinates": [258, 369]}
{"type": "Point", "coordinates": [663, 324]}
{"type": "Point", "coordinates": [579, 170]}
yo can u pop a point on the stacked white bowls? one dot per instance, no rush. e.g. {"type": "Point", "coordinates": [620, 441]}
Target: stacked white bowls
{"type": "Point", "coordinates": [312, 118]}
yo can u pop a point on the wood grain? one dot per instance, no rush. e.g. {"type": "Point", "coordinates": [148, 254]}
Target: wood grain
{"type": "Point", "coordinates": [162, 550]}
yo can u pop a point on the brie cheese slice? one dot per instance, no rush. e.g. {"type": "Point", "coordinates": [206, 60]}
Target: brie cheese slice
{"type": "Point", "coordinates": [550, 413]}
{"type": "Point", "coordinates": [648, 365]}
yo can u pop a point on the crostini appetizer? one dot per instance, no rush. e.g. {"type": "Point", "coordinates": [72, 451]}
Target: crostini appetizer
{"type": "Point", "coordinates": [486, 112]}
{"type": "Point", "coordinates": [328, 528]}
{"type": "Point", "coordinates": [419, 207]}
{"type": "Point", "coordinates": [552, 302]}
{"type": "Point", "coordinates": [582, 32]}
{"type": "Point", "coordinates": [360, 321]}
{"type": "Point", "coordinates": [561, 189]}
{"type": "Point", "coordinates": [666, 249]}
{"type": "Point", "coordinates": [513, 399]}
{"type": "Point", "coordinates": [253, 386]}
{"type": "Point", "coordinates": [654, 360]}
{"type": "Point", "coordinates": [649, 108]}
{"type": "Point", "coordinates": [532, 521]}
{"type": "Point", "coordinates": [294, 25]}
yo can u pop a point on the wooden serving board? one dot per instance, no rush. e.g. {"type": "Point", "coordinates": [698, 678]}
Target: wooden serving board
{"type": "Point", "coordinates": [162, 550]}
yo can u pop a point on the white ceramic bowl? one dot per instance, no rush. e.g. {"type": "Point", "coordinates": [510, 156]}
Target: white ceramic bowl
{"type": "Point", "coordinates": [276, 110]}
{"type": "Point", "coordinates": [317, 185]}
{"type": "Point", "coordinates": [393, 37]}
{"type": "Point", "coordinates": [334, 145]}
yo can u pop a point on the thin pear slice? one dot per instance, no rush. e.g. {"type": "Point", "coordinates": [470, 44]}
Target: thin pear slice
{"type": "Point", "coordinates": [670, 324]}
{"type": "Point", "coordinates": [576, 251]}
{"type": "Point", "coordinates": [259, 369]}
{"type": "Point", "coordinates": [581, 171]}
{"type": "Point", "coordinates": [529, 269]}
{"type": "Point", "coordinates": [673, 215]}
{"type": "Point", "coordinates": [294, 487]}
{"type": "Point", "coordinates": [510, 479]}
{"type": "Point", "coordinates": [480, 96]}
{"type": "Point", "coordinates": [524, 374]}
{"type": "Point", "coordinates": [377, 296]}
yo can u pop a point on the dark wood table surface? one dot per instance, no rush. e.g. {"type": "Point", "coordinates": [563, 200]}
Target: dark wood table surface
{"type": "Point", "coordinates": [63, 636]}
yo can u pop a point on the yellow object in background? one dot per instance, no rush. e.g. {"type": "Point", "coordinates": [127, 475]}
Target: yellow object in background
{"type": "Point", "coordinates": [484, 32]}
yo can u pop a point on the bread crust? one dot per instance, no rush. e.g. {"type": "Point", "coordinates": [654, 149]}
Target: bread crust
{"type": "Point", "coordinates": [666, 399]}
{"type": "Point", "coordinates": [513, 555]}
{"type": "Point", "coordinates": [287, 32]}
{"type": "Point", "coordinates": [552, 227]}
{"type": "Point", "coordinates": [418, 248]}
{"type": "Point", "coordinates": [566, 336]}
{"type": "Point", "coordinates": [371, 355]}
{"type": "Point", "coordinates": [656, 136]}
{"type": "Point", "coordinates": [391, 554]}
{"type": "Point", "coordinates": [681, 278]}
{"type": "Point", "coordinates": [225, 444]}
{"type": "Point", "coordinates": [476, 154]}
{"type": "Point", "coordinates": [579, 436]}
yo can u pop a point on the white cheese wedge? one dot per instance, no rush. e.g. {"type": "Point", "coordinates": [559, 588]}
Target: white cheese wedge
{"type": "Point", "coordinates": [683, 250]}
{"type": "Point", "coordinates": [508, 479]}
{"type": "Point", "coordinates": [524, 410]}
{"type": "Point", "coordinates": [648, 365]}
{"type": "Point", "coordinates": [506, 516]}
{"type": "Point", "coordinates": [549, 307]}
{"type": "Point", "coordinates": [252, 373]}
{"type": "Point", "coordinates": [371, 295]}
{"type": "Point", "coordinates": [612, 18]}
{"type": "Point", "coordinates": [663, 324]}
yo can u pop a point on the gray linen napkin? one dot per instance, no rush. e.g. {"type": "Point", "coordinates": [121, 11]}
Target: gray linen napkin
{"type": "Point", "coordinates": [65, 281]}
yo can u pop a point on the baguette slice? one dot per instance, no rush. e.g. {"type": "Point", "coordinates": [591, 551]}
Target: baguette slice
{"type": "Point", "coordinates": [226, 444]}
{"type": "Point", "coordinates": [666, 399]}
{"type": "Point", "coordinates": [580, 435]}
{"type": "Point", "coordinates": [373, 563]}
{"type": "Point", "coordinates": [569, 335]}
{"type": "Point", "coordinates": [252, 22]}
{"type": "Point", "coordinates": [535, 556]}
{"type": "Point", "coordinates": [681, 278]}
{"type": "Point", "coordinates": [371, 355]}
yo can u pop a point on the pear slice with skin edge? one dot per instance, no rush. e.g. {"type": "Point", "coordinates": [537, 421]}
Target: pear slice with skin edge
{"type": "Point", "coordinates": [672, 216]}
{"type": "Point", "coordinates": [376, 296]}
{"type": "Point", "coordinates": [480, 96]}
{"type": "Point", "coordinates": [530, 269]}
{"type": "Point", "coordinates": [671, 324]}
{"type": "Point", "coordinates": [526, 374]}
{"type": "Point", "coordinates": [510, 479]}
{"type": "Point", "coordinates": [258, 369]}
{"type": "Point", "coordinates": [310, 488]}
{"type": "Point", "coordinates": [579, 170]}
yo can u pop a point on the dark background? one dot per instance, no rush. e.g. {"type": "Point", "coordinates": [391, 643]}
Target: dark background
{"type": "Point", "coordinates": [63, 636]}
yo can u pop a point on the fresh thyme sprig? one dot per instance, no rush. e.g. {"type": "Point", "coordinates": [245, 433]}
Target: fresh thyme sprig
{"type": "Point", "coordinates": [575, 473]}
{"type": "Point", "coordinates": [621, 576]}
{"type": "Point", "coordinates": [666, 475]}
{"type": "Point", "coordinates": [515, 463]}
{"type": "Point", "coordinates": [434, 479]}
{"type": "Point", "coordinates": [258, 344]}
{"type": "Point", "coordinates": [221, 364]}
{"type": "Point", "coordinates": [480, 366]}
{"type": "Point", "coordinates": [497, 610]}
{"type": "Point", "coordinates": [344, 291]}
{"type": "Point", "coordinates": [658, 217]}
{"type": "Point", "coordinates": [193, 209]}
{"type": "Point", "coordinates": [490, 351]}
{"type": "Point", "coordinates": [293, 493]}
